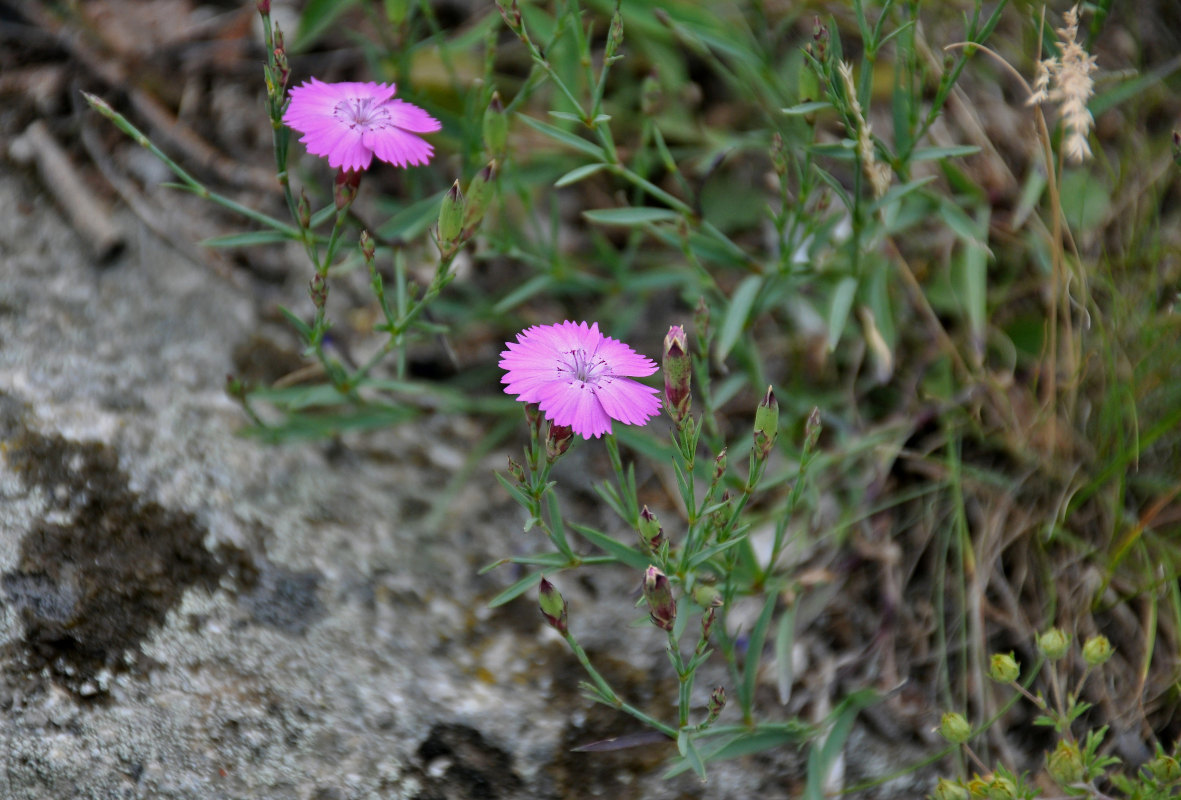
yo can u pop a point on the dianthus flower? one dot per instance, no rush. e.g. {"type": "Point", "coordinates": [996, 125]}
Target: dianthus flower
{"type": "Point", "coordinates": [349, 123]}
{"type": "Point", "coordinates": [579, 377]}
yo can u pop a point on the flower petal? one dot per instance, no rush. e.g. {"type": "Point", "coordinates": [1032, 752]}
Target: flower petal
{"type": "Point", "coordinates": [626, 400]}
{"type": "Point", "coordinates": [410, 117]}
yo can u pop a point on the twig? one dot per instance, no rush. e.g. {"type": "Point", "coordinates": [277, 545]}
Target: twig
{"type": "Point", "coordinates": [85, 211]}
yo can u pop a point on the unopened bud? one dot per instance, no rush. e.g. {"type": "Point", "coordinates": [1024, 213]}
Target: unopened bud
{"type": "Point", "coordinates": [651, 95]}
{"type": "Point", "coordinates": [533, 416]}
{"type": "Point", "coordinates": [318, 290]}
{"type": "Point", "coordinates": [820, 39]}
{"type": "Point", "coordinates": [766, 424]}
{"type": "Point", "coordinates": [651, 534]}
{"type": "Point", "coordinates": [662, 609]}
{"type": "Point", "coordinates": [949, 790]}
{"type": "Point", "coordinates": [701, 320]}
{"type": "Point", "coordinates": [303, 210]}
{"type": "Point", "coordinates": [614, 36]}
{"type": "Point", "coordinates": [707, 623]}
{"type": "Point", "coordinates": [1003, 668]}
{"type": "Point", "coordinates": [812, 430]}
{"type": "Point", "coordinates": [720, 465]}
{"type": "Point", "coordinates": [1065, 764]}
{"type": "Point", "coordinates": [1165, 769]}
{"type": "Point", "coordinates": [1096, 650]}
{"type": "Point", "coordinates": [479, 195]}
{"type": "Point", "coordinates": [557, 441]}
{"type": "Point", "coordinates": [707, 596]}
{"type": "Point", "coordinates": [715, 704]}
{"type": "Point", "coordinates": [368, 246]}
{"type": "Point", "coordinates": [516, 471]}
{"type": "Point", "coordinates": [264, 6]}
{"type": "Point", "coordinates": [955, 728]}
{"type": "Point", "coordinates": [344, 188]}
{"type": "Point", "coordinates": [1054, 643]}
{"type": "Point", "coordinates": [451, 218]}
{"type": "Point", "coordinates": [553, 606]}
{"type": "Point", "coordinates": [992, 787]}
{"type": "Point", "coordinates": [495, 127]}
{"type": "Point", "coordinates": [678, 374]}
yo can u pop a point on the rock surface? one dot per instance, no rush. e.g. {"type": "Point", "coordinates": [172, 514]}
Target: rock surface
{"type": "Point", "coordinates": [187, 613]}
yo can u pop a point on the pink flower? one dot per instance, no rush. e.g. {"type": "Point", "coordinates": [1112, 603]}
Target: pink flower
{"type": "Point", "coordinates": [579, 377]}
{"type": "Point", "coordinates": [349, 123]}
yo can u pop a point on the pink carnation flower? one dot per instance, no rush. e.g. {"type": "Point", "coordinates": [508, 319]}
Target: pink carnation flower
{"type": "Point", "coordinates": [349, 123]}
{"type": "Point", "coordinates": [579, 377]}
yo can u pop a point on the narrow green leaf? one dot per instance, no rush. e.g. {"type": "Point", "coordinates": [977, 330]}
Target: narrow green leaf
{"type": "Point", "coordinates": [249, 239]}
{"type": "Point", "coordinates": [936, 153]}
{"type": "Point", "coordinates": [305, 330]}
{"type": "Point", "coordinates": [630, 217]}
{"type": "Point", "coordinates": [754, 651]}
{"type": "Point", "coordinates": [806, 108]}
{"type": "Point", "coordinates": [785, 636]}
{"type": "Point", "coordinates": [579, 173]}
{"type": "Point", "coordinates": [838, 311]}
{"type": "Point", "coordinates": [516, 590]}
{"type": "Point", "coordinates": [820, 759]}
{"type": "Point", "coordinates": [317, 17]}
{"type": "Point", "coordinates": [617, 550]}
{"type": "Point", "coordinates": [736, 315]}
{"type": "Point", "coordinates": [565, 137]}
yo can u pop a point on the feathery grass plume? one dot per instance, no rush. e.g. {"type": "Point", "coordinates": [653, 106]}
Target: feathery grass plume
{"type": "Point", "coordinates": [877, 174]}
{"type": "Point", "coordinates": [1066, 80]}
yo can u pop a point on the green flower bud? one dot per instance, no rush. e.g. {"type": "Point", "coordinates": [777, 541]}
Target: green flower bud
{"type": "Point", "coordinates": [678, 374]}
{"type": "Point", "coordinates": [651, 534]}
{"type": "Point", "coordinates": [717, 701]}
{"type": "Point", "coordinates": [766, 424]}
{"type": "Point", "coordinates": [344, 188]}
{"type": "Point", "coordinates": [949, 790]}
{"type": "Point", "coordinates": [614, 36]}
{"type": "Point", "coordinates": [1065, 764]}
{"type": "Point", "coordinates": [1096, 650]}
{"type": "Point", "coordinates": [495, 127]}
{"type": "Point", "coordinates": [516, 471]}
{"type": "Point", "coordinates": [557, 441]}
{"type": "Point", "coordinates": [1003, 668]}
{"type": "Point", "coordinates": [451, 218]}
{"type": "Point", "coordinates": [707, 596]}
{"type": "Point", "coordinates": [651, 96]}
{"type": "Point", "coordinates": [1164, 768]}
{"type": "Point", "coordinates": [720, 465]}
{"type": "Point", "coordinates": [479, 195]}
{"type": "Point", "coordinates": [662, 609]}
{"type": "Point", "coordinates": [303, 210]}
{"type": "Point", "coordinates": [955, 728]}
{"type": "Point", "coordinates": [553, 606]}
{"type": "Point", "coordinates": [1054, 643]}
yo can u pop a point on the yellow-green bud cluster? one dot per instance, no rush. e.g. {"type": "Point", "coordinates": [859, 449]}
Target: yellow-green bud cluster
{"type": "Point", "coordinates": [1003, 668]}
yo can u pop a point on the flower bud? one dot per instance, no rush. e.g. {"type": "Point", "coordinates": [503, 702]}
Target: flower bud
{"type": "Point", "coordinates": [701, 320]}
{"type": "Point", "coordinates": [651, 96]}
{"type": "Point", "coordinates": [264, 6]}
{"type": "Point", "coordinates": [820, 39]}
{"type": "Point", "coordinates": [678, 373]}
{"type": "Point", "coordinates": [662, 609]}
{"type": "Point", "coordinates": [992, 787]}
{"type": "Point", "coordinates": [766, 424]}
{"type": "Point", "coordinates": [720, 465]}
{"type": "Point", "coordinates": [707, 624]}
{"type": "Point", "coordinates": [495, 127]}
{"type": "Point", "coordinates": [451, 218]}
{"type": "Point", "coordinates": [557, 441]}
{"type": "Point", "coordinates": [553, 606]}
{"type": "Point", "coordinates": [1054, 643]}
{"type": "Point", "coordinates": [1065, 764]}
{"type": "Point", "coordinates": [1164, 768]}
{"type": "Point", "coordinates": [368, 247]}
{"type": "Point", "coordinates": [303, 210]}
{"type": "Point", "coordinates": [955, 728]}
{"type": "Point", "coordinates": [651, 534]}
{"type": "Point", "coordinates": [949, 790]}
{"type": "Point", "coordinates": [318, 290]}
{"type": "Point", "coordinates": [812, 429]}
{"type": "Point", "coordinates": [479, 195]}
{"type": "Point", "coordinates": [715, 704]}
{"type": "Point", "coordinates": [614, 36]}
{"type": "Point", "coordinates": [1003, 668]}
{"type": "Point", "coordinates": [344, 188]}
{"type": "Point", "coordinates": [516, 471]}
{"type": "Point", "coordinates": [1096, 650]}
{"type": "Point", "coordinates": [706, 596]}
